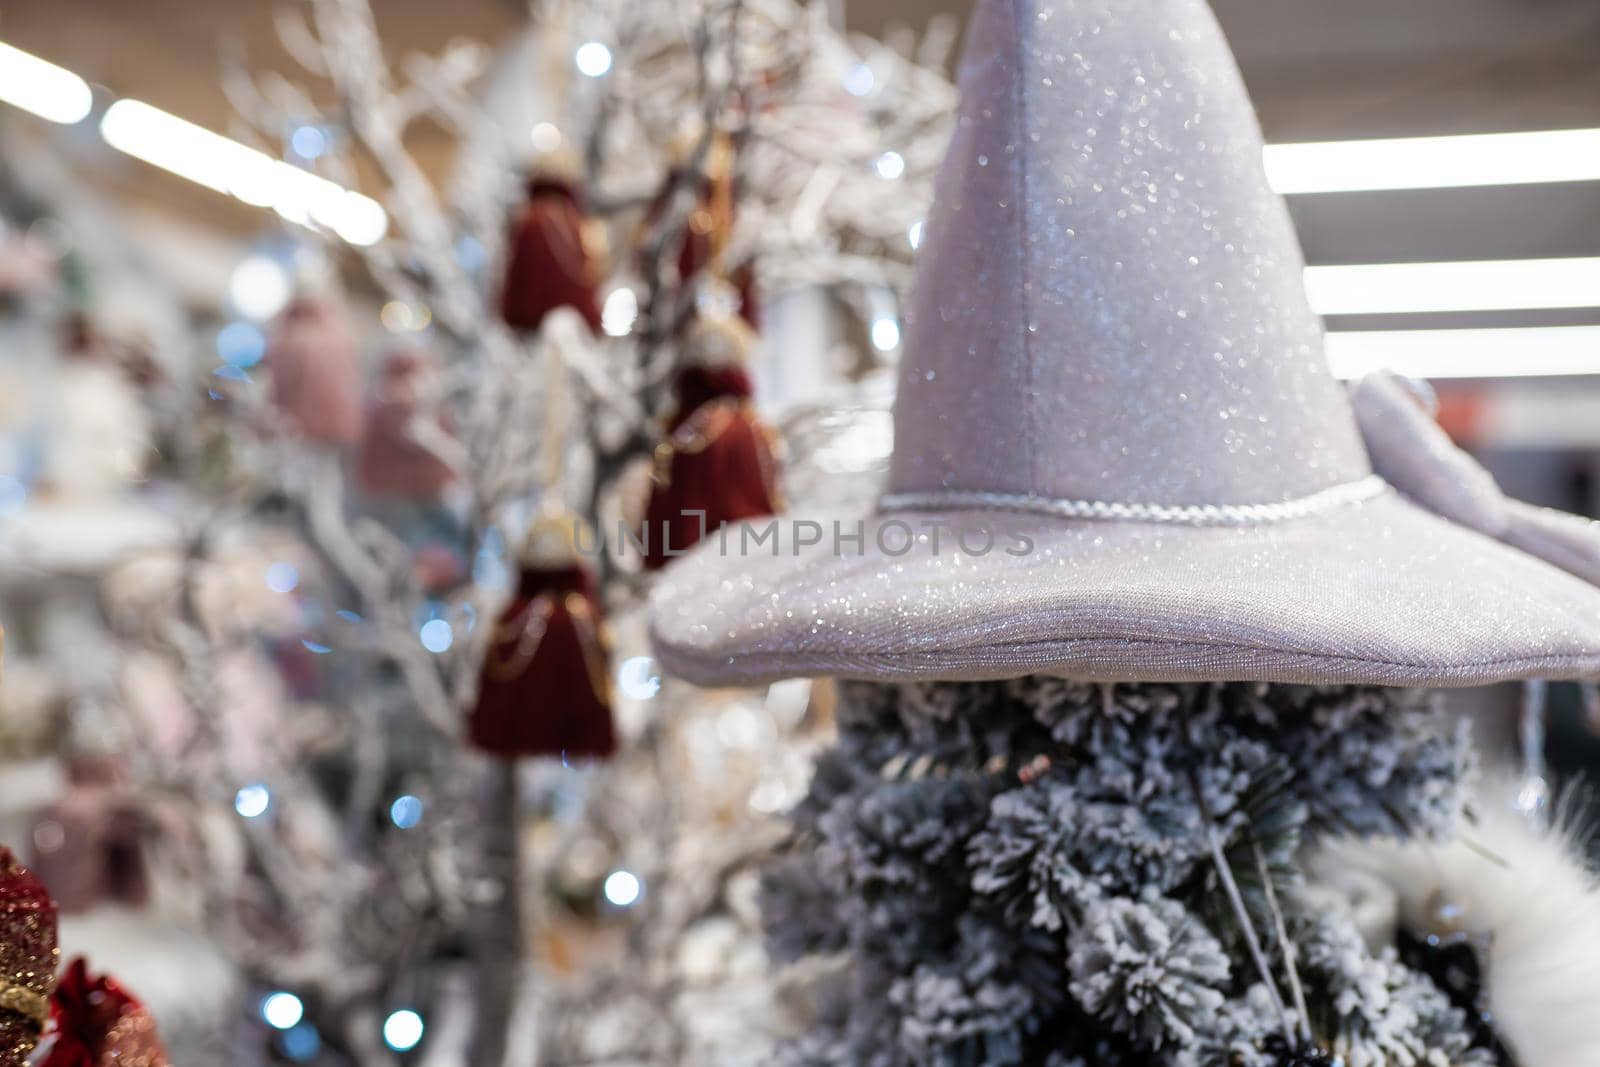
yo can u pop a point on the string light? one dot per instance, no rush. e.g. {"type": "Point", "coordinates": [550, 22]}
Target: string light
{"type": "Point", "coordinates": [546, 137]}
{"type": "Point", "coordinates": [436, 635]}
{"type": "Point", "coordinates": [620, 311]}
{"type": "Point", "coordinates": [402, 1030]}
{"type": "Point", "coordinates": [398, 316]}
{"type": "Point", "coordinates": [282, 577]}
{"type": "Point", "coordinates": [638, 679]}
{"type": "Point", "coordinates": [406, 811]}
{"type": "Point", "coordinates": [309, 142]}
{"type": "Point", "coordinates": [885, 334]}
{"type": "Point", "coordinates": [252, 801]}
{"type": "Point", "coordinates": [301, 1043]}
{"type": "Point", "coordinates": [890, 165]}
{"type": "Point", "coordinates": [622, 889]}
{"type": "Point", "coordinates": [859, 80]}
{"type": "Point", "coordinates": [241, 344]}
{"type": "Point", "coordinates": [282, 1010]}
{"type": "Point", "coordinates": [259, 287]}
{"type": "Point", "coordinates": [593, 59]}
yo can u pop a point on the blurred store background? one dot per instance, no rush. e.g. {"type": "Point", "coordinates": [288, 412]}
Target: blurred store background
{"type": "Point", "coordinates": [1441, 159]}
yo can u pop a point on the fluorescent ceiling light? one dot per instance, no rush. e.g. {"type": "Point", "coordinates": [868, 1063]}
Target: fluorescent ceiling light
{"type": "Point", "coordinates": [1491, 285]}
{"type": "Point", "coordinates": [1435, 162]}
{"type": "Point", "coordinates": [1496, 353]}
{"type": "Point", "coordinates": [49, 91]}
{"type": "Point", "coordinates": [225, 165]}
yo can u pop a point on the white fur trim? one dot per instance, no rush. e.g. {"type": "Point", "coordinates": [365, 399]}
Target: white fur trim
{"type": "Point", "coordinates": [1536, 905]}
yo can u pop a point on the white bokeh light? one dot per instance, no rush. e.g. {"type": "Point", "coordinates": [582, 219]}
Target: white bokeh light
{"type": "Point", "coordinates": [859, 80]}
{"type": "Point", "coordinates": [620, 312]}
{"type": "Point", "coordinates": [402, 1030]}
{"type": "Point", "coordinates": [436, 635]}
{"type": "Point", "coordinates": [259, 288]}
{"type": "Point", "coordinates": [545, 136]}
{"type": "Point", "coordinates": [252, 801]}
{"type": "Point", "coordinates": [282, 577]}
{"type": "Point", "coordinates": [593, 59]}
{"type": "Point", "coordinates": [282, 1011]}
{"type": "Point", "coordinates": [623, 889]}
{"type": "Point", "coordinates": [885, 334]}
{"type": "Point", "coordinates": [638, 679]}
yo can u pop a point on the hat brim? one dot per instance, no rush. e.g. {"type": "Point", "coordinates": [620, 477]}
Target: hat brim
{"type": "Point", "coordinates": [1380, 593]}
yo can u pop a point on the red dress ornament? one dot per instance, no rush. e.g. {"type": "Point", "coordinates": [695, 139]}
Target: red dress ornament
{"type": "Point", "coordinates": [717, 458]}
{"type": "Point", "coordinates": [99, 1024]}
{"type": "Point", "coordinates": [545, 687]}
{"type": "Point", "coordinates": [316, 371]}
{"type": "Point", "coordinates": [27, 959]}
{"type": "Point", "coordinates": [709, 226]}
{"type": "Point", "coordinates": [549, 263]}
{"type": "Point", "coordinates": [392, 464]}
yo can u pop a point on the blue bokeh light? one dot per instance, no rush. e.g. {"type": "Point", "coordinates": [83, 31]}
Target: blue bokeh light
{"type": "Point", "coordinates": [406, 811]}
{"type": "Point", "coordinates": [252, 801]}
{"type": "Point", "coordinates": [241, 344]}
{"type": "Point", "coordinates": [436, 635]}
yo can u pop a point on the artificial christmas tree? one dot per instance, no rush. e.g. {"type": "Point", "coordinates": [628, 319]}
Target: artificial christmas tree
{"type": "Point", "coordinates": [1126, 618]}
{"type": "Point", "coordinates": [356, 853]}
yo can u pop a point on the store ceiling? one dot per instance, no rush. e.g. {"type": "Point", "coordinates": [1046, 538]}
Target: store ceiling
{"type": "Point", "coordinates": [1318, 70]}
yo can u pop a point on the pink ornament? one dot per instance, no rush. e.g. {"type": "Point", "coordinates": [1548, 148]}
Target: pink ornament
{"type": "Point", "coordinates": [316, 371]}
{"type": "Point", "coordinates": [88, 849]}
{"type": "Point", "coordinates": [437, 567]}
{"type": "Point", "coordinates": [392, 462]}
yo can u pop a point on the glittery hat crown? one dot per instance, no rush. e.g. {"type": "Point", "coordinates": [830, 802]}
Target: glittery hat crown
{"type": "Point", "coordinates": [1110, 306]}
{"type": "Point", "coordinates": [1111, 367]}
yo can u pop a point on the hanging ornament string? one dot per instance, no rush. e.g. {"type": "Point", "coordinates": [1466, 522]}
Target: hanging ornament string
{"type": "Point", "coordinates": [720, 203]}
{"type": "Point", "coordinates": [555, 494]}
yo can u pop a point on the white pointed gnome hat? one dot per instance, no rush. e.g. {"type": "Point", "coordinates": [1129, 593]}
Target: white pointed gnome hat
{"type": "Point", "coordinates": [1112, 377]}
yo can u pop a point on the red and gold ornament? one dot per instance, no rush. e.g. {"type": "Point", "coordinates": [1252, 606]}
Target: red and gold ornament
{"type": "Point", "coordinates": [28, 955]}
{"type": "Point", "coordinates": [552, 260]}
{"type": "Point", "coordinates": [716, 463]}
{"type": "Point", "coordinates": [100, 1024]}
{"type": "Point", "coordinates": [545, 687]}
{"type": "Point", "coordinates": [709, 227]}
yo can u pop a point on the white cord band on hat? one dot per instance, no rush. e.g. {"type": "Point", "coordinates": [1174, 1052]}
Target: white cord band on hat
{"type": "Point", "coordinates": [1317, 503]}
